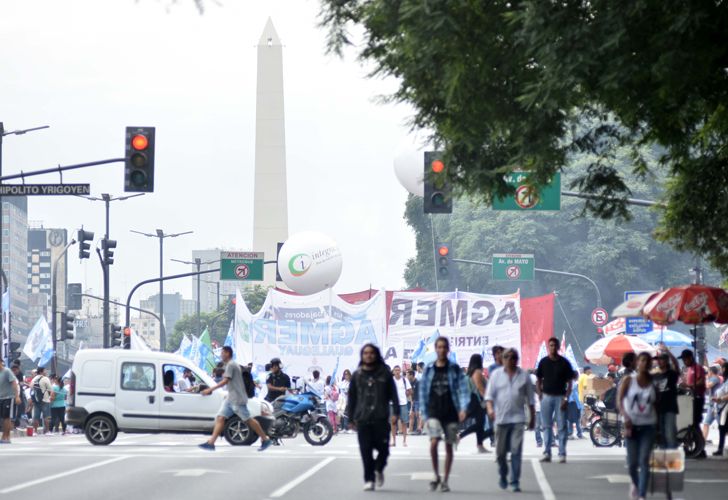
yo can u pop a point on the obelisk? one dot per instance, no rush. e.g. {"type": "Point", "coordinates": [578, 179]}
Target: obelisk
{"type": "Point", "coordinates": [270, 208]}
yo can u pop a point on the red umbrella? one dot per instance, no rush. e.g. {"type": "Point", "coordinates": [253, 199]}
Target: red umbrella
{"type": "Point", "coordinates": [611, 349]}
{"type": "Point", "coordinates": [691, 304]}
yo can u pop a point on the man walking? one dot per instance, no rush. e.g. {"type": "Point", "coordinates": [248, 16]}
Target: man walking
{"type": "Point", "coordinates": [414, 418]}
{"type": "Point", "coordinates": [42, 393]}
{"type": "Point", "coordinates": [509, 392]}
{"type": "Point", "coordinates": [555, 377]}
{"type": "Point", "coordinates": [278, 382]}
{"type": "Point", "coordinates": [695, 381]}
{"type": "Point", "coordinates": [9, 397]}
{"type": "Point", "coordinates": [444, 397]}
{"type": "Point", "coordinates": [371, 391]}
{"type": "Point", "coordinates": [236, 402]}
{"type": "Point", "coordinates": [400, 413]}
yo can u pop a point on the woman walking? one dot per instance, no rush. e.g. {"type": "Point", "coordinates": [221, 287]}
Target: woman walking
{"type": "Point", "coordinates": [720, 400]}
{"type": "Point", "coordinates": [343, 400]}
{"type": "Point", "coordinates": [476, 384]}
{"type": "Point", "coordinates": [637, 402]}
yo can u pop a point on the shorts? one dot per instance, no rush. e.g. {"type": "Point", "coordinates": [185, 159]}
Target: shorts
{"type": "Point", "coordinates": [436, 431]}
{"type": "Point", "coordinates": [44, 408]}
{"type": "Point", "coordinates": [6, 408]}
{"type": "Point", "coordinates": [402, 414]}
{"type": "Point", "coordinates": [710, 415]}
{"type": "Point", "coordinates": [227, 410]}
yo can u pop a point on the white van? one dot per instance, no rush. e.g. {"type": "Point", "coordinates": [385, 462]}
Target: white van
{"type": "Point", "coordinates": [116, 390]}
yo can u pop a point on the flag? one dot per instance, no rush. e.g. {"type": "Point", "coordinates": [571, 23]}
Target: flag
{"type": "Point", "coordinates": [723, 337]}
{"type": "Point", "coordinates": [562, 348]}
{"type": "Point", "coordinates": [428, 353]}
{"type": "Point", "coordinates": [207, 359]}
{"type": "Point", "coordinates": [137, 343]}
{"type": "Point", "coordinates": [419, 351]}
{"type": "Point", "coordinates": [193, 353]}
{"type": "Point", "coordinates": [336, 369]}
{"type": "Point", "coordinates": [230, 339]}
{"type": "Point", "coordinates": [37, 339]}
{"type": "Point", "coordinates": [571, 358]}
{"type": "Point", "coordinates": [542, 353]}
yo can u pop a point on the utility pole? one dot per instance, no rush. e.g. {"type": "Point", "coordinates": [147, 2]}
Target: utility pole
{"type": "Point", "coordinates": [161, 235]}
{"type": "Point", "coordinates": [107, 199]}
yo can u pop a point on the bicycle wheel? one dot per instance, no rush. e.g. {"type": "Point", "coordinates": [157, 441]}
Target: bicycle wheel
{"type": "Point", "coordinates": [603, 435]}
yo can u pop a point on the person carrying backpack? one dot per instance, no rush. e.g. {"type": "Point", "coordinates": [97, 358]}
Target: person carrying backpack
{"type": "Point", "coordinates": [236, 402]}
{"type": "Point", "coordinates": [42, 394]}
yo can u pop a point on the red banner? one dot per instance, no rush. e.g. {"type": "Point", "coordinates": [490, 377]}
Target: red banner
{"type": "Point", "coordinates": [537, 325]}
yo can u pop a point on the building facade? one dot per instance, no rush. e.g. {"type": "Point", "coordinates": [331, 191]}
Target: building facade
{"type": "Point", "coordinates": [15, 261]}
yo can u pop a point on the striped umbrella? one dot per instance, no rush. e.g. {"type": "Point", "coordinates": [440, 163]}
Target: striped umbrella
{"type": "Point", "coordinates": [611, 349]}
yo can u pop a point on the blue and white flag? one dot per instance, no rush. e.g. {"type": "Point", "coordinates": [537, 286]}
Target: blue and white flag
{"type": "Point", "coordinates": [185, 346]}
{"type": "Point", "coordinates": [37, 340]}
{"type": "Point", "coordinates": [542, 353]}
{"type": "Point", "coordinates": [336, 369]}
{"type": "Point", "coordinates": [230, 339]}
{"type": "Point", "coordinates": [569, 355]}
{"type": "Point", "coordinates": [427, 354]}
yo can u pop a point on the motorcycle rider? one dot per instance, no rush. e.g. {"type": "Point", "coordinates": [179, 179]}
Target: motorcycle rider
{"type": "Point", "coordinates": [371, 391]}
{"type": "Point", "coordinates": [278, 382]}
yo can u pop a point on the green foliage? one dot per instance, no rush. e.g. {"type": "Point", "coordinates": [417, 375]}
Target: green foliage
{"type": "Point", "coordinates": [617, 256]}
{"type": "Point", "coordinates": [532, 84]}
{"type": "Point", "coordinates": [218, 321]}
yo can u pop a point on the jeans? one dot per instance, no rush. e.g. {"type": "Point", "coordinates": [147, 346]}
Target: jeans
{"type": "Point", "coordinates": [509, 437]}
{"type": "Point", "coordinates": [551, 405]}
{"type": "Point", "coordinates": [639, 447]}
{"type": "Point", "coordinates": [373, 436]}
{"type": "Point", "coordinates": [667, 425]}
{"type": "Point", "coordinates": [538, 428]}
{"type": "Point", "coordinates": [574, 418]}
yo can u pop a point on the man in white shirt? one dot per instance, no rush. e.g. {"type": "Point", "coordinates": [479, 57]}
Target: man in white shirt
{"type": "Point", "coordinates": [509, 391]}
{"type": "Point", "coordinates": [401, 414]}
{"type": "Point", "coordinates": [315, 384]}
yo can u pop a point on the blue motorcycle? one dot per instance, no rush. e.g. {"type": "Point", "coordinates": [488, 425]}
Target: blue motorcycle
{"type": "Point", "coordinates": [293, 413]}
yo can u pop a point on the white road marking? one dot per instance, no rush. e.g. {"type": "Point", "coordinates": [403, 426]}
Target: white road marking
{"type": "Point", "coordinates": [194, 472]}
{"type": "Point", "coordinates": [546, 490]}
{"type": "Point", "coordinates": [46, 479]}
{"type": "Point", "coordinates": [614, 478]}
{"type": "Point", "coordinates": [310, 472]}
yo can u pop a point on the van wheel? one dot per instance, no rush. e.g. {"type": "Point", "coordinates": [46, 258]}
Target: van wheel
{"type": "Point", "coordinates": [100, 430]}
{"type": "Point", "coordinates": [237, 432]}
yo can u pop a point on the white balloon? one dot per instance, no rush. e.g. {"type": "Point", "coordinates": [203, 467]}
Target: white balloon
{"type": "Point", "coordinates": [409, 164]}
{"type": "Point", "coordinates": [309, 262]}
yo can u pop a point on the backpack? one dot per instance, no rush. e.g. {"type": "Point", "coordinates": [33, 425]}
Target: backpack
{"type": "Point", "coordinates": [248, 382]}
{"type": "Point", "coordinates": [334, 395]}
{"type": "Point", "coordinates": [37, 390]}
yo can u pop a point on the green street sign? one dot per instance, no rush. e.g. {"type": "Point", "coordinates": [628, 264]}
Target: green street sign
{"type": "Point", "coordinates": [528, 198]}
{"type": "Point", "coordinates": [241, 266]}
{"type": "Point", "coordinates": [513, 266]}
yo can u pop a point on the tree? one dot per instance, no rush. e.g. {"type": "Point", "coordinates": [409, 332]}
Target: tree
{"type": "Point", "coordinates": [618, 257]}
{"type": "Point", "coordinates": [532, 84]}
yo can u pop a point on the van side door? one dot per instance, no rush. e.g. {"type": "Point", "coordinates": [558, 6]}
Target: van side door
{"type": "Point", "coordinates": [137, 399]}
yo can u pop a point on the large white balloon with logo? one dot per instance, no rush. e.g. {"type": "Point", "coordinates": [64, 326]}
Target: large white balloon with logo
{"type": "Point", "coordinates": [409, 163]}
{"type": "Point", "coordinates": [309, 262]}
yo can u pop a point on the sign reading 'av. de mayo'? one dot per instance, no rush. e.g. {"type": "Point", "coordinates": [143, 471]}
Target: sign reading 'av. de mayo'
{"type": "Point", "coordinates": [527, 197]}
{"type": "Point", "coordinates": [513, 266]}
{"type": "Point", "coordinates": [241, 266]}
{"type": "Point", "coordinates": [44, 189]}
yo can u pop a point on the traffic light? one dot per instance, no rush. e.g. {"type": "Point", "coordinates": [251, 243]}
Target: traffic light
{"type": "Point", "coordinates": [438, 190]}
{"type": "Point", "coordinates": [14, 352]}
{"type": "Point", "coordinates": [67, 324]}
{"type": "Point", "coordinates": [115, 335]}
{"type": "Point", "coordinates": [74, 297]}
{"type": "Point", "coordinates": [108, 251]}
{"type": "Point", "coordinates": [443, 261]}
{"type": "Point", "coordinates": [139, 160]}
{"type": "Point", "coordinates": [127, 338]}
{"type": "Point", "coordinates": [84, 243]}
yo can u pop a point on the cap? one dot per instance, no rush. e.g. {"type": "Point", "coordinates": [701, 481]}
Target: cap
{"type": "Point", "coordinates": [687, 353]}
{"type": "Point", "coordinates": [276, 361]}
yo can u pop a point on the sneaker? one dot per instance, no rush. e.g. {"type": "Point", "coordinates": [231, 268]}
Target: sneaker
{"type": "Point", "coordinates": [380, 478]}
{"type": "Point", "coordinates": [434, 484]}
{"type": "Point", "coordinates": [206, 446]}
{"type": "Point", "coordinates": [539, 445]}
{"type": "Point", "coordinates": [444, 487]}
{"type": "Point", "coordinates": [515, 488]}
{"type": "Point", "coordinates": [369, 486]}
{"type": "Point", "coordinates": [545, 459]}
{"type": "Point", "coordinates": [702, 454]}
{"type": "Point", "coordinates": [265, 445]}
{"type": "Point", "coordinates": [715, 453]}
{"type": "Point", "coordinates": [633, 492]}
{"type": "Point", "coordinates": [562, 459]}
{"type": "Point", "coordinates": [503, 484]}
{"type": "Point", "coordinates": [483, 449]}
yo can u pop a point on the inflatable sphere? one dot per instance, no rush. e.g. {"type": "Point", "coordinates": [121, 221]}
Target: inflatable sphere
{"type": "Point", "coordinates": [309, 262]}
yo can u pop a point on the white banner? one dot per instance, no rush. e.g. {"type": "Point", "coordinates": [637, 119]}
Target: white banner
{"type": "Point", "coordinates": [474, 323]}
{"type": "Point", "coordinates": [309, 332]}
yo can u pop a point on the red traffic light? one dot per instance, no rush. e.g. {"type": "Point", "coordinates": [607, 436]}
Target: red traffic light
{"type": "Point", "coordinates": [443, 250]}
{"type": "Point", "coordinates": [127, 331]}
{"type": "Point", "coordinates": [438, 166]}
{"type": "Point", "coordinates": [139, 142]}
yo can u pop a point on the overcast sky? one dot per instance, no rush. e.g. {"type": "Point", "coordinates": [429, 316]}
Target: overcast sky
{"type": "Point", "coordinates": [89, 68]}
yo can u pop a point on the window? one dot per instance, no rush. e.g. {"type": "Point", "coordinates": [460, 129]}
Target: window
{"type": "Point", "coordinates": [138, 377]}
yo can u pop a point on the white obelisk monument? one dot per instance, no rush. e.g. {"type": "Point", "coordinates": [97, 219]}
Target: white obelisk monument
{"type": "Point", "coordinates": [270, 210]}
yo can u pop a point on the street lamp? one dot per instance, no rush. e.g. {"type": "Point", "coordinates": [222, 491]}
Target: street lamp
{"type": "Point", "coordinates": [5, 286]}
{"type": "Point", "coordinates": [160, 234]}
{"type": "Point", "coordinates": [107, 199]}
{"type": "Point", "coordinates": [198, 262]}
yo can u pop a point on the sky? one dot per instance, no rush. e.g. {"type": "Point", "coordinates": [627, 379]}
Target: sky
{"type": "Point", "coordinates": [90, 68]}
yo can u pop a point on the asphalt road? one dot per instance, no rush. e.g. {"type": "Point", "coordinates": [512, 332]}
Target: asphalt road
{"type": "Point", "coordinates": [171, 466]}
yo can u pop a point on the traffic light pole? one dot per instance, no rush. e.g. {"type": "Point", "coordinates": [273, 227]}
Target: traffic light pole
{"type": "Point", "coordinates": [54, 301]}
{"type": "Point", "coordinates": [155, 280]}
{"type": "Point", "coordinates": [549, 271]}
